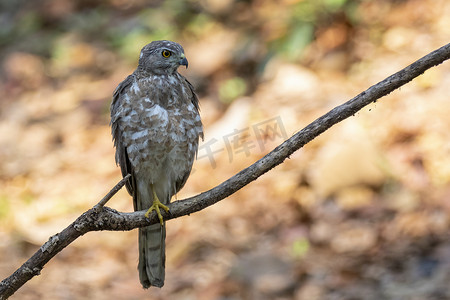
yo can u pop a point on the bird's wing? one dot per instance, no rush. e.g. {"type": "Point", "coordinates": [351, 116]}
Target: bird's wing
{"type": "Point", "coordinates": [121, 151]}
{"type": "Point", "coordinates": [194, 99]}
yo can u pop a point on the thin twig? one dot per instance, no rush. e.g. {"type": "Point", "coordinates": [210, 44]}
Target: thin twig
{"type": "Point", "coordinates": [111, 193]}
{"type": "Point", "coordinates": [108, 219]}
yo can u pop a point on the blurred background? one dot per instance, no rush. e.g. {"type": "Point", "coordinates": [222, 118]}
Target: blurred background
{"type": "Point", "coordinates": [362, 212]}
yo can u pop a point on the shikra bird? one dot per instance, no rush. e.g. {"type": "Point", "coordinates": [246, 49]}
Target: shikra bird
{"type": "Point", "coordinates": [156, 126]}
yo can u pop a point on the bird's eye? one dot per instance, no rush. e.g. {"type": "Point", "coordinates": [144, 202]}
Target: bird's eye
{"type": "Point", "coordinates": [166, 53]}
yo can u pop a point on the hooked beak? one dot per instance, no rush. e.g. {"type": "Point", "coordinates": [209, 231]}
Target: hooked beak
{"type": "Point", "coordinates": [183, 61]}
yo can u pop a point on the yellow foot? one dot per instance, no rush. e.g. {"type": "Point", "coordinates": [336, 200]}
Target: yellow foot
{"type": "Point", "coordinates": [155, 206]}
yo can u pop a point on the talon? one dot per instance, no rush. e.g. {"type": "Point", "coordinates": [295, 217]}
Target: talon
{"type": "Point", "coordinates": [156, 206]}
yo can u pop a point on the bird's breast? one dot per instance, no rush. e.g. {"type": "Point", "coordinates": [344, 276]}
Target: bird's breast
{"type": "Point", "coordinates": [160, 127]}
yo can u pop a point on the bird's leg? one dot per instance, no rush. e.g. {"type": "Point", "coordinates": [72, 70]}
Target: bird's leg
{"type": "Point", "coordinates": [155, 206]}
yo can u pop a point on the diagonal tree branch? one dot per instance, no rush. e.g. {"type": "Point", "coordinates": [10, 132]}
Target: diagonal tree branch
{"type": "Point", "coordinates": [104, 218]}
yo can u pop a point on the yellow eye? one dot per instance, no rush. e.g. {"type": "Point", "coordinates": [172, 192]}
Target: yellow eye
{"type": "Point", "coordinates": [166, 53]}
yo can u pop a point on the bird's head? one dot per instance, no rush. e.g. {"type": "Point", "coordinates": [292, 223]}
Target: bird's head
{"type": "Point", "coordinates": [162, 58]}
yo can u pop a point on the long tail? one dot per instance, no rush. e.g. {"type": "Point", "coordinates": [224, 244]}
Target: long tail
{"type": "Point", "coordinates": [152, 255]}
{"type": "Point", "coordinates": [152, 243]}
